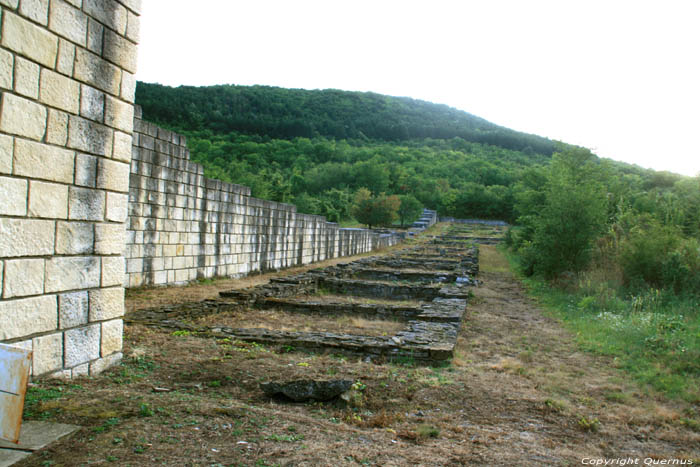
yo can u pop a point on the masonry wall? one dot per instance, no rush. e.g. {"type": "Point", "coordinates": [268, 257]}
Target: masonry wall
{"type": "Point", "coordinates": [66, 119]}
{"type": "Point", "coordinates": [183, 226]}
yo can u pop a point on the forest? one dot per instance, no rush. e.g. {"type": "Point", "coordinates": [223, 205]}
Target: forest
{"type": "Point", "coordinates": [620, 243]}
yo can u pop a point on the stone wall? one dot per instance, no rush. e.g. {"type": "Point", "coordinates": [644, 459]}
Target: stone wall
{"type": "Point", "coordinates": [183, 226]}
{"type": "Point", "coordinates": [66, 119]}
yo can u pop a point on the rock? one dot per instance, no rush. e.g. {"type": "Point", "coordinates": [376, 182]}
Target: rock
{"type": "Point", "coordinates": [306, 390]}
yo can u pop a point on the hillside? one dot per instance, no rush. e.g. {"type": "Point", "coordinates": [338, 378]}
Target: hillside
{"type": "Point", "coordinates": [289, 113]}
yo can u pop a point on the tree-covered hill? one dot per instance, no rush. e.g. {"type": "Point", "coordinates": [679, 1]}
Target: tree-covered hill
{"type": "Point", "coordinates": [289, 113]}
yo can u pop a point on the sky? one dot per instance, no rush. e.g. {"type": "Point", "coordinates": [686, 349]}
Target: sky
{"type": "Point", "coordinates": [619, 77]}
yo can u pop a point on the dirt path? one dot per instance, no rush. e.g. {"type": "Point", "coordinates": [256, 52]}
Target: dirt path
{"type": "Point", "coordinates": [517, 393]}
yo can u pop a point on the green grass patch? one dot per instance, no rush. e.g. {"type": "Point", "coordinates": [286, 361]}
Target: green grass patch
{"type": "Point", "coordinates": [652, 335]}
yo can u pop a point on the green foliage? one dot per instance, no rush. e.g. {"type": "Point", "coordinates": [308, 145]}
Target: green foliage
{"type": "Point", "coordinates": [563, 218]}
{"type": "Point", "coordinates": [410, 209]}
{"type": "Point", "coordinates": [375, 211]}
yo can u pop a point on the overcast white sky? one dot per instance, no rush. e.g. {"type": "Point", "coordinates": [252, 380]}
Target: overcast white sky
{"type": "Point", "coordinates": [620, 77]}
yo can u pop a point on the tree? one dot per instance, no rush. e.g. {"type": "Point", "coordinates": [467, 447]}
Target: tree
{"type": "Point", "coordinates": [371, 210]}
{"type": "Point", "coordinates": [571, 214]}
{"type": "Point", "coordinates": [409, 210]}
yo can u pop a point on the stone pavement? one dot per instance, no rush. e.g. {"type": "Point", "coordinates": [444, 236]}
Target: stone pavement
{"type": "Point", "coordinates": [33, 437]}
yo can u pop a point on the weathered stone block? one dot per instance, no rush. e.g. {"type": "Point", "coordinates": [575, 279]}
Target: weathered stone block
{"type": "Point", "coordinates": [23, 277]}
{"type": "Point", "coordinates": [26, 237]}
{"type": "Point", "coordinates": [75, 238]}
{"type": "Point", "coordinates": [22, 117]}
{"type": "Point", "coordinates": [13, 196]}
{"type": "Point", "coordinates": [133, 5]}
{"type": "Point", "coordinates": [86, 204]}
{"type": "Point", "coordinates": [37, 160]}
{"type": "Point", "coordinates": [98, 366]}
{"type": "Point", "coordinates": [95, 35]}
{"type": "Point", "coordinates": [66, 57]}
{"type": "Point", "coordinates": [28, 39]}
{"type": "Point", "coordinates": [6, 67]}
{"type": "Point", "coordinates": [68, 21]}
{"type": "Point", "coordinates": [57, 128]}
{"type": "Point", "coordinates": [72, 309]}
{"type": "Point", "coordinates": [117, 207]}
{"type": "Point", "coordinates": [106, 304]}
{"type": "Point", "coordinates": [112, 332]}
{"type": "Point", "coordinates": [110, 239]}
{"type": "Point", "coordinates": [7, 149]}
{"type": "Point", "coordinates": [49, 200]}
{"type": "Point", "coordinates": [108, 12]}
{"type": "Point", "coordinates": [81, 345]}
{"type": "Point", "coordinates": [113, 175]}
{"type": "Point", "coordinates": [26, 78]}
{"type": "Point", "coordinates": [92, 103]}
{"type": "Point", "coordinates": [48, 354]}
{"type": "Point", "coordinates": [112, 271]}
{"type": "Point", "coordinates": [120, 51]}
{"type": "Point", "coordinates": [59, 91]}
{"type": "Point", "coordinates": [93, 70]}
{"type": "Point", "coordinates": [27, 316]}
{"type": "Point", "coordinates": [133, 27]}
{"type": "Point", "coordinates": [10, 3]}
{"type": "Point", "coordinates": [119, 115]}
{"type": "Point", "coordinates": [128, 91]}
{"type": "Point", "coordinates": [37, 10]}
{"type": "Point", "coordinates": [123, 145]}
{"type": "Point", "coordinates": [80, 370]}
{"type": "Point", "coordinates": [72, 273]}
{"type": "Point", "coordinates": [85, 170]}
{"type": "Point", "coordinates": [88, 136]}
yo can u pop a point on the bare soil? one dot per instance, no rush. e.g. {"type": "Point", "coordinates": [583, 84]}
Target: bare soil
{"type": "Point", "coordinates": [519, 392]}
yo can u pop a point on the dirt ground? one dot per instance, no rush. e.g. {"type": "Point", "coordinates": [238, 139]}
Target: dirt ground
{"type": "Point", "coordinates": [517, 393]}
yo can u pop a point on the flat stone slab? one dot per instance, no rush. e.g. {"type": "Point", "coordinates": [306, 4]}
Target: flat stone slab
{"type": "Point", "coordinates": [9, 457]}
{"type": "Point", "coordinates": [37, 435]}
{"type": "Point", "coordinates": [307, 390]}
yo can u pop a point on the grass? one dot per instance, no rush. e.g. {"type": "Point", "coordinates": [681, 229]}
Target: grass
{"type": "Point", "coordinates": [654, 336]}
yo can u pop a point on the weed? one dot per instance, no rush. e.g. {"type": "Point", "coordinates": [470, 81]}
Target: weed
{"type": "Point", "coordinates": [552, 405]}
{"type": "Point", "coordinates": [589, 425]}
{"type": "Point", "coordinates": [146, 411]}
{"type": "Point", "coordinates": [181, 333]}
{"type": "Point", "coordinates": [427, 431]}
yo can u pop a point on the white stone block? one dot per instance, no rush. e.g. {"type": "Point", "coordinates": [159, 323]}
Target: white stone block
{"type": "Point", "coordinates": [13, 196]}
{"type": "Point", "coordinates": [59, 91]}
{"type": "Point", "coordinates": [69, 22]}
{"type": "Point", "coordinates": [26, 78]}
{"type": "Point", "coordinates": [86, 204]}
{"type": "Point", "coordinates": [108, 12]}
{"type": "Point", "coordinates": [123, 145]}
{"type": "Point", "coordinates": [112, 332]}
{"type": "Point", "coordinates": [117, 207]}
{"type": "Point", "coordinates": [36, 10]}
{"type": "Point", "coordinates": [66, 57]}
{"type": "Point", "coordinates": [89, 136]}
{"type": "Point", "coordinates": [110, 239]}
{"type": "Point", "coordinates": [80, 370]}
{"type": "Point", "coordinates": [92, 103]}
{"type": "Point", "coordinates": [34, 160]}
{"type": "Point", "coordinates": [81, 345]}
{"type": "Point", "coordinates": [48, 354]}
{"type": "Point", "coordinates": [7, 149]}
{"type": "Point", "coordinates": [113, 268]}
{"type": "Point", "coordinates": [133, 27]}
{"type": "Point", "coordinates": [27, 316]}
{"type": "Point", "coordinates": [10, 3]}
{"type": "Point", "coordinates": [57, 128]}
{"type": "Point", "coordinates": [73, 309]}
{"type": "Point", "coordinates": [23, 277]}
{"type": "Point", "coordinates": [93, 70]}
{"type": "Point", "coordinates": [72, 273]}
{"type": "Point", "coordinates": [75, 238]}
{"type": "Point", "coordinates": [85, 170]}
{"type": "Point", "coordinates": [6, 68]}
{"type": "Point", "coordinates": [22, 117]}
{"type": "Point", "coordinates": [48, 200]}
{"type": "Point", "coordinates": [113, 175]}
{"type": "Point", "coordinates": [95, 36]}
{"type": "Point", "coordinates": [119, 115]}
{"type": "Point", "coordinates": [120, 51]}
{"type": "Point", "coordinates": [26, 237]}
{"type": "Point", "coordinates": [28, 39]}
{"type": "Point", "coordinates": [100, 365]}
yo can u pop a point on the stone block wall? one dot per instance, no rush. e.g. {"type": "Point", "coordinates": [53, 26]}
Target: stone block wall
{"type": "Point", "coordinates": [183, 226]}
{"type": "Point", "coordinates": [66, 119]}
